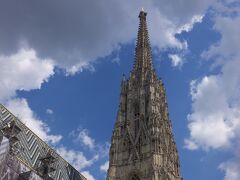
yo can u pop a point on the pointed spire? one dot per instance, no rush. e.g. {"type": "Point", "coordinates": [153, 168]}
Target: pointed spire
{"type": "Point", "coordinates": [143, 53]}
{"type": "Point", "coordinates": [123, 84]}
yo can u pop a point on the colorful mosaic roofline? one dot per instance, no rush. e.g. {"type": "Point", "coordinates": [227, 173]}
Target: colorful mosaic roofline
{"type": "Point", "coordinates": [20, 147]}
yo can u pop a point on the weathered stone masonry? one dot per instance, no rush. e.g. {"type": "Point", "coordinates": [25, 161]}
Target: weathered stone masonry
{"type": "Point", "coordinates": [142, 145]}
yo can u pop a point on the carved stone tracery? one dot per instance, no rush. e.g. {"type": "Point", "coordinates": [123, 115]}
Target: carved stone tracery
{"type": "Point", "coordinates": [142, 138]}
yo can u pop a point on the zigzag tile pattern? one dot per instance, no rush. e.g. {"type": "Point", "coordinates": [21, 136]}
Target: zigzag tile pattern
{"type": "Point", "coordinates": [33, 148]}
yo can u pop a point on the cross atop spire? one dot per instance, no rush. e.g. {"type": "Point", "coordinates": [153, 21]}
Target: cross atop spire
{"type": "Point", "coordinates": [143, 55]}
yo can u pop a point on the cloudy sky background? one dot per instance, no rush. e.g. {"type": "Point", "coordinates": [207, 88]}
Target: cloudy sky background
{"type": "Point", "coordinates": [61, 64]}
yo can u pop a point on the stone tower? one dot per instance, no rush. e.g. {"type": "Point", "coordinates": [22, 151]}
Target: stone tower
{"type": "Point", "coordinates": [142, 145]}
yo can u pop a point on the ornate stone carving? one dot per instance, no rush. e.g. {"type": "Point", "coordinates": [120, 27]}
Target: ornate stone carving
{"type": "Point", "coordinates": [142, 146]}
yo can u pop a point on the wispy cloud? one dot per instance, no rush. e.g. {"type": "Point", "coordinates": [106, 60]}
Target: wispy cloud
{"type": "Point", "coordinates": [76, 158]}
{"type": "Point", "coordinates": [49, 111]}
{"type": "Point", "coordinates": [104, 167]}
{"type": "Point", "coordinates": [96, 149]}
{"type": "Point", "coordinates": [177, 60]}
{"type": "Point", "coordinates": [83, 137]}
{"type": "Point", "coordinates": [88, 175]}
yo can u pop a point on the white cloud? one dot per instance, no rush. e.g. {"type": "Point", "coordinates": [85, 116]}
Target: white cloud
{"type": "Point", "coordinates": [190, 144]}
{"type": "Point", "coordinates": [21, 109]}
{"type": "Point", "coordinates": [87, 175]}
{"type": "Point", "coordinates": [188, 27]}
{"type": "Point", "coordinates": [76, 158]}
{"type": "Point", "coordinates": [216, 98]}
{"type": "Point", "coordinates": [228, 46]}
{"type": "Point", "coordinates": [103, 149]}
{"type": "Point", "coordinates": [82, 136]}
{"type": "Point", "coordinates": [72, 47]}
{"type": "Point", "coordinates": [162, 31]}
{"type": "Point", "coordinates": [215, 108]}
{"type": "Point", "coordinates": [116, 60]}
{"type": "Point", "coordinates": [23, 71]}
{"type": "Point", "coordinates": [176, 60]}
{"type": "Point", "coordinates": [231, 169]}
{"type": "Point", "coordinates": [49, 111]}
{"type": "Point", "coordinates": [104, 167]}
{"type": "Point", "coordinates": [214, 122]}
{"type": "Point", "coordinates": [86, 139]}
{"type": "Point", "coordinates": [85, 31]}
{"type": "Point", "coordinates": [99, 150]}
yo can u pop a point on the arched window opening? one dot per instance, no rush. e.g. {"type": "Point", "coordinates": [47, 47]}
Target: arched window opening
{"type": "Point", "coordinates": [135, 177]}
{"type": "Point", "coordinates": [136, 109]}
{"type": "Point", "coordinates": [136, 119]}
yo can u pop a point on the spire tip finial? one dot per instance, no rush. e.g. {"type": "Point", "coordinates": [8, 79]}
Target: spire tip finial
{"type": "Point", "coordinates": [142, 13]}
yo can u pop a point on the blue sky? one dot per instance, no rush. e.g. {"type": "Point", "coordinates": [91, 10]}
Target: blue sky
{"type": "Point", "coordinates": [61, 64]}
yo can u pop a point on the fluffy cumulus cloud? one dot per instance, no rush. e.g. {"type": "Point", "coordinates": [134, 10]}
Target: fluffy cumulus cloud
{"type": "Point", "coordinates": [23, 70]}
{"type": "Point", "coordinates": [231, 169]}
{"type": "Point", "coordinates": [75, 33]}
{"type": "Point", "coordinates": [216, 99]}
{"type": "Point", "coordinates": [214, 122]}
{"type": "Point", "coordinates": [228, 46]}
{"type": "Point", "coordinates": [215, 119]}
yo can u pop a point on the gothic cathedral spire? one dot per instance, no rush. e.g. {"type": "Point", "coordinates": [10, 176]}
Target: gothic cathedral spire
{"type": "Point", "coordinates": [143, 68]}
{"type": "Point", "coordinates": [143, 57]}
{"type": "Point", "coordinates": [142, 145]}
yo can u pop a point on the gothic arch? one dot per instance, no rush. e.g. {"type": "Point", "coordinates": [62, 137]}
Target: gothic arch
{"type": "Point", "coordinates": [136, 108]}
{"type": "Point", "coordinates": [135, 177]}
